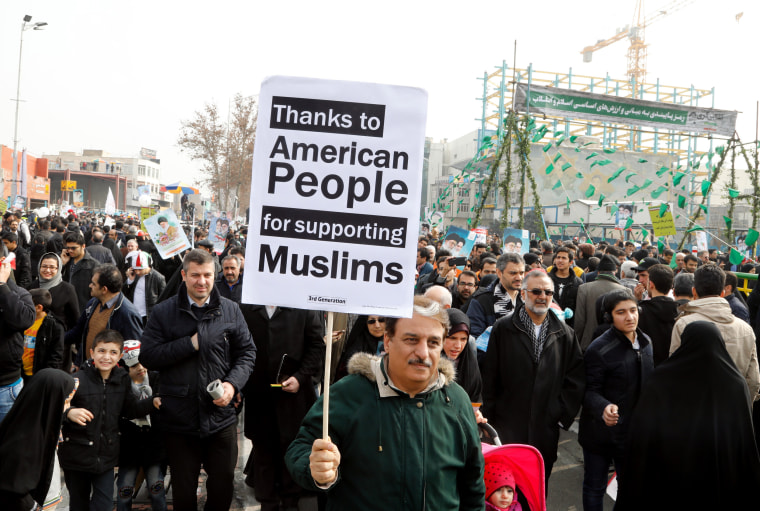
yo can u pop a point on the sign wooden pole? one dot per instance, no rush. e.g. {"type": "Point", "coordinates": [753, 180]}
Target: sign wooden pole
{"type": "Point", "coordinates": [326, 382]}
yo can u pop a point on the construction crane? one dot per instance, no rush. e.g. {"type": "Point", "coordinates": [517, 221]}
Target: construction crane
{"type": "Point", "coordinates": [637, 51]}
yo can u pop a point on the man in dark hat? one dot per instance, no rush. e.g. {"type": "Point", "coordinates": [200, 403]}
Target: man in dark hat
{"type": "Point", "coordinates": [532, 261]}
{"type": "Point", "coordinates": [588, 293]}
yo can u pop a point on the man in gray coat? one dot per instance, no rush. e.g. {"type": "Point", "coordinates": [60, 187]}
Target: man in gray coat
{"type": "Point", "coordinates": [585, 306]}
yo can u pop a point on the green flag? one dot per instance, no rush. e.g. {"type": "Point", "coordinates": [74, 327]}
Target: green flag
{"type": "Point", "coordinates": [728, 222]}
{"type": "Point", "coordinates": [644, 234]}
{"type": "Point", "coordinates": [590, 192]}
{"type": "Point", "coordinates": [557, 185]}
{"type": "Point", "coordinates": [547, 146]}
{"type": "Point", "coordinates": [609, 150]}
{"type": "Point", "coordinates": [642, 160]}
{"type": "Point", "coordinates": [566, 166]}
{"type": "Point", "coordinates": [602, 163]}
{"type": "Point", "coordinates": [628, 223]}
{"type": "Point", "coordinates": [735, 257]}
{"type": "Point", "coordinates": [751, 237]}
{"type": "Point", "coordinates": [557, 157]}
{"type": "Point", "coordinates": [673, 262]}
{"type": "Point", "coordinates": [549, 168]}
{"type": "Point", "coordinates": [660, 246]}
{"type": "Point", "coordinates": [579, 175]}
{"type": "Point", "coordinates": [658, 192]}
{"type": "Point", "coordinates": [677, 178]}
{"type": "Point", "coordinates": [681, 201]}
{"type": "Point", "coordinates": [601, 198]}
{"type": "Point", "coordinates": [663, 209]}
{"type": "Point", "coordinates": [592, 155]}
{"type": "Point", "coordinates": [662, 171]}
{"type": "Point", "coordinates": [615, 174]}
{"type": "Point", "coordinates": [573, 138]}
{"type": "Point", "coordinates": [646, 183]}
{"type": "Point", "coordinates": [705, 187]}
{"type": "Point", "coordinates": [733, 193]}
{"type": "Point", "coordinates": [696, 228]}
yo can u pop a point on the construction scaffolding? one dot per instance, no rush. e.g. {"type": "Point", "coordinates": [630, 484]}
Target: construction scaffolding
{"type": "Point", "coordinates": [683, 146]}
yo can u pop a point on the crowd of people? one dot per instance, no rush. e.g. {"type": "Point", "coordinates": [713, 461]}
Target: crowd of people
{"type": "Point", "coordinates": [151, 364]}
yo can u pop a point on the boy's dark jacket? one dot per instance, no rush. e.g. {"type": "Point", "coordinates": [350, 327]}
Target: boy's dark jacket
{"type": "Point", "coordinates": [141, 445]}
{"type": "Point", "coordinates": [94, 448]}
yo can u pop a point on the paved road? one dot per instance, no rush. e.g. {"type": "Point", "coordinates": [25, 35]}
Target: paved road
{"type": "Point", "coordinates": [564, 486]}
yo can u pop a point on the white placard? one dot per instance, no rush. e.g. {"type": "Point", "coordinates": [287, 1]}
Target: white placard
{"type": "Point", "coordinates": [701, 240]}
{"type": "Point", "coordinates": [167, 234]}
{"type": "Point", "coordinates": [337, 172]}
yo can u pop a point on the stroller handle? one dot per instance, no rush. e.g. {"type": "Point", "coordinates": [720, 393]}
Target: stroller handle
{"type": "Point", "coordinates": [489, 433]}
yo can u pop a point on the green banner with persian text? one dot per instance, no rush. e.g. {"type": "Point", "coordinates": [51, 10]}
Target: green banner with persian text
{"type": "Point", "coordinates": [600, 107]}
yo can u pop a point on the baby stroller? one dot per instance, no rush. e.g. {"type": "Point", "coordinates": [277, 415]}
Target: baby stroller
{"type": "Point", "coordinates": [524, 461]}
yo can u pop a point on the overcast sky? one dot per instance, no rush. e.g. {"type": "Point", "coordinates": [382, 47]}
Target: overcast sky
{"type": "Point", "coordinates": [122, 75]}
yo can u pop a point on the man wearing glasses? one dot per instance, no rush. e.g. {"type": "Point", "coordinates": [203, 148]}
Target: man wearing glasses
{"type": "Point", "coordinates": [467, 284]}
{"type": "Point", "coordinates": [78, 266]}
{"type": "Point", "coordinates": [533, 373]}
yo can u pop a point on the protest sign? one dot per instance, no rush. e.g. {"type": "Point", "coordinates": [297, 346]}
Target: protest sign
{"type": "Point", "coordinates": [218, 228]}
{"type": "Point", "coordinates": [515, 240]}
{"type": "Point", "coordinates": [662, 225]}
{"type": "Point", "coordinates": [166, 233]}
{"type": "Point", "coordinates": [701, 240]}
{"type": "Point", "coordinates": [145, 213]}
{"type": "Point", "coordinates": [20, 203]}
{"type": "Point", "coordinates": [481, 235]}
{"type": "Point", "coordinates": [459, 242]}
{"type": "Point", "coordinates": [456, 241]}
{"type": "Point", "coordinates": [623, 213]}
{"type": "Point", "coordinates": [340, 169]}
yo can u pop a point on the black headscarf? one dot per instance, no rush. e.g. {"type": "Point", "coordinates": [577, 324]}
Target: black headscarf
{"type": "Point", "coordinates": [691, 442]}
{"type": "Point", "coordinates": [468, 373]}
{"type": "Point", "coordinates": [29, 434]}
{"type": "Point", "coordinates": [359, 341]}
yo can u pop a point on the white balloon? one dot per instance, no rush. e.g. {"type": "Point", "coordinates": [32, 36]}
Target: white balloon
{"type": "Point", "coordinates": [43, 212]}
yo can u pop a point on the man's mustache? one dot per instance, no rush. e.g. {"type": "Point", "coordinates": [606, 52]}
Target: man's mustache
{"type": "Point", "coordinates": [426, 363]}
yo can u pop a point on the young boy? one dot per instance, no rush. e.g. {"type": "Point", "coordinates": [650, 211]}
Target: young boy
{"type": "Point", "coordinates": [43, 341]}
{"type": "Point", "coordinates": [90, 447]}
{"type": "Point", "coordinates": [141, 442]}
{"type": "Point", "coordinates": [500, 488]}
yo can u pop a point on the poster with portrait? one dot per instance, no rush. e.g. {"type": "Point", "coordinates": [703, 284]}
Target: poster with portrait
{"type": "Point", "coordinates": [623, 213]}
{"type": "Point", "coordinates": [455, 241]}
{"type": "Point", "coordinates": [218, 228]}
{"type": "Point", "coordinates": [515, 240]}
{"type": "Point", "coordinates": [166, 233]}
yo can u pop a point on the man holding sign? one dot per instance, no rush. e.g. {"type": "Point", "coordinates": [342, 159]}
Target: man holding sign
{"type": "Point", "coordinates": [400, 419]}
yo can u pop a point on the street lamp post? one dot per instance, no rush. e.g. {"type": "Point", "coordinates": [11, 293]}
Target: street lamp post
{"type": "Point", "coordinates": [25, 25]}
